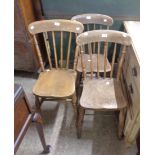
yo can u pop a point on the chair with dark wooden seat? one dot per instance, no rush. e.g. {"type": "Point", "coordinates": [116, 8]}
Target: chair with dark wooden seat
{"type": "Point", "coordinates": [93, 21]}
{"type": "Point", "coordinates": [103, 93]}
{"type": "Point", "coordinates": [58, 81]}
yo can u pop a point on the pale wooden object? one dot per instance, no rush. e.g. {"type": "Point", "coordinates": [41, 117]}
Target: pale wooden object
{"type": "Point", "coordinates": [98, 60]}
{"type": "Point", "coordinates": [94, 44]}
{"type": "Point", "coordinates": [103, 35]}
{"type": "Point", "coordinates": [69, 47]}
{"type": "Point", "coordinates": [121, 62]}
{"type": "Point", "coordinates": [105, 57]}
{"type": "Point", "coordinates": [93, 19]}
{"type": "Point", "coordinates": [47, 48]}
{"type": "Point", "coordinates": [55, 83]}
{"type": "Point", "coordinates": [61, 50]}
{"type": "Point", "coordinates": [132, 61]}
{"type": "Point", "coordinates": [55, 25]}
{"type": "Point", "coordinates": [76, 57]}
{"type": "Point", "coordinates": [82, 63]}
{"type": "Point", "coordinates": [86, 57]}
{"type": "Point", "coordinates": [90, 60]}
{"type": "Point", "coordinates": [55, 51]}
{"type": "Point", "coordinates": [104, 93]}
{"type": "Point", "coordinates": [39, 53]}
{"type": "Point", "coordinates": [113, 60]}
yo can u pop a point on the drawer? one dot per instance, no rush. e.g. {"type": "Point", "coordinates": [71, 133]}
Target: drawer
{"type": "Point", "coordinates": [135, 71]}
{"type": "Point", "coordinates": [133, 93]}
{"type": "Point", "coordinates": [21, 113]}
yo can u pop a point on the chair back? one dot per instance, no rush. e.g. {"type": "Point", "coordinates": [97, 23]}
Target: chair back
{"type": "Point", "coordinates": [53, 28]}
{"type": "Point", "coordinates": [94, 21]}
{"type": "Point", "coordinates": [103, 37]}
{"type": "Point", "coordinates": [93, 18]}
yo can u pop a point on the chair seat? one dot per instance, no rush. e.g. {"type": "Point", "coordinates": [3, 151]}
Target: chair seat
{"type": "Point", "coordinates": [55, 83]}
{"type": "Point", "coordinates": [102, 94]}
{"type": "Point", "coordinates": [86, 57]}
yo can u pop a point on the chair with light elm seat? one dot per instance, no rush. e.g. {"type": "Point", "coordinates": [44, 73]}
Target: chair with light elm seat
{"type": "Point", "coordinates": [93, 21]}
{"type": "Point", "coordinates": [102, 93]}
{"type": "Point", "coordinates": [57, 82]}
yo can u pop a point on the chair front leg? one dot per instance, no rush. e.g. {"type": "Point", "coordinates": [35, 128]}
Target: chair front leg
{"type": "Point", "coordinates": [81, 113]}
{"type": "Point", "coordinates": [121, 122]}
{"type": "Point", "coordinates": [74, 103]}
{"type": "Point", "coordinates": [38, 104]}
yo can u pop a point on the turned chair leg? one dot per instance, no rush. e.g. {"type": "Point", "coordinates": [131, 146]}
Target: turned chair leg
{"type": "Point", "coordinates": [74, 103]}
{"type": "Point", "coordinates": [38, 104]}
{"type": "Point", "coordinates": [121, 123]}
{"type": "Point", "coordinates": [38, 122]}
{"type": "Point", "coordinates": [81, 113]}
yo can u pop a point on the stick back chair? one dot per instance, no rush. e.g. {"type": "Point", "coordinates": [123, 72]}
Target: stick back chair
{"type": "Point", "coordinates": [93, 21]}
{"type": "Point", "coordinates": [58, 81]}
{"type": "Point", "coordinates": [102, 93]}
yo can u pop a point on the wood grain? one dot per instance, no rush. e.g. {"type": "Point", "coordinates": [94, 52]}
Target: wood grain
{"type": "Point", "coordinates": [93, 18]}
{"type": "Point", "coordinates": [104, 35]}
{"type": "Point", "coordinates": [55, 25]}
{"type": "Point", "coordinates": [55, 83]}
{"type": "Point", "coordinates": [102, 94]}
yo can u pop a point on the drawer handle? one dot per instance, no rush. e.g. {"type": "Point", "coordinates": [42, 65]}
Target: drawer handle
{"type": "Point", "coordinates": [131, 89]}
{"type": "Point", "coordinates": [134, 71]}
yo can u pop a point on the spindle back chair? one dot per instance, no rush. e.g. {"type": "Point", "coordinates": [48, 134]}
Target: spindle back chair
{"type": "Point", "coordinates": [58, 81]}
{"type": "Point", "coordinates": [102, 93]}
{"type": "Point", "coordinates": [93, 21]}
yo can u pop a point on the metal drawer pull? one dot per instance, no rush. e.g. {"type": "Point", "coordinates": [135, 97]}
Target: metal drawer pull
{"type": "Point", "coordinates": [134, 71]}
{"type": "Point", "coordinates": [131, 88]}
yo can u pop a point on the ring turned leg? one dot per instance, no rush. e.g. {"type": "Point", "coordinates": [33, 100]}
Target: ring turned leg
{"type": "Point", "coordinates": [80, 121]}
{"type": "Point", "coordinates": [38, 122]}
{"type": "Point", "coordinates": [74, 103]}
{"type": "Point", "coordinates": [121, 123]}
{"type": "Point", "coordinates": [38, 104]}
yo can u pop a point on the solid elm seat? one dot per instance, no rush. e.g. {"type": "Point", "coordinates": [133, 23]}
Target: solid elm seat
{"type": "Point", "coordinates": [102, 94]}
{"type": "Point", "coordinates": [86, 60]}
{"type": "Point", "coordinates": [55, 83]}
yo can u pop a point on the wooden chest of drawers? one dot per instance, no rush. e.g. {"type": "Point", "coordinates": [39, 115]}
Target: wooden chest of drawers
{"type": "Point", "coordinates": [131, 77]}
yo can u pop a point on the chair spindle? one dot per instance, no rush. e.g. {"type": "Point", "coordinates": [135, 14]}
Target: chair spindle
{"type": "Point", "coordinates": [94, 44]}
{"type": "Point", "coordinates": [61, 50]}
{"type": "Point", "coordinates": [113, 60]}
{"type": "Point", "coordinates": [55, 52]}
{"type": "Point", "coordinates": [76, 57]}
{"type": "Point", "coordinates": [69, 49]}
{"type": "Point", "coordinates": [82, 63]}
{"type": "Point", "coordinates": [38, 53]}
{"type": "Point", "coordinates": [87, 27]}
{"type": "Point", "coordinates": [90, 60]}
{"type": "Point", "coordinates": [46, 40]}
{"type": "Point", "coordinates": [105, 57]}
{"type": "Point", "coordinates": [121, 62]}
{"type": "Point", "coordinates": [98, 60]}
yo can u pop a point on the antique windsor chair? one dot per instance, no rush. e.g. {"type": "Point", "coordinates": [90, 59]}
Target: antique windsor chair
{"type": "Point", "coordinates": [93, 21]}
{"type": "Point", "coordinates": [58, 81]}
{"type": "Point", "coordinates": [102, 93]}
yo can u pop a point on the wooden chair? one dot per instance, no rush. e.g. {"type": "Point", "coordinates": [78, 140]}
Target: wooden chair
{"type": "Point", "coordinates": [58, 81]}
{"type": "Point", "coordinates": [92, 22]}
{"type": "Point", "coordinates": [102, 93]}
